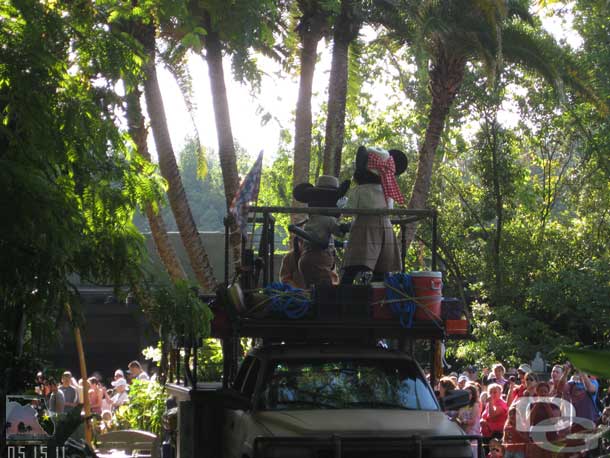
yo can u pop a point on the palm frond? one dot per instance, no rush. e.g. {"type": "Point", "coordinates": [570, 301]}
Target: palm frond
{"type": "Point", "coordinates": [531, 50]}
{"type": "Point", "coordinates": [494, 11]}
{"type": "Point", "coordinates": [580, 81]}
{"type": "Point", "coordinates": [175, 61]}
{"type": "Point", "coordinates": [519, 9]}
{"type": "Point", "coordinates": [354, 73]}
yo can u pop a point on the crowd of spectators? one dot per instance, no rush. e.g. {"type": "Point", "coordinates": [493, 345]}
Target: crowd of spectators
{"type": "Point", "coordinates": [103, 401]}
{"type": "Point", "coordinates": [506, 406]}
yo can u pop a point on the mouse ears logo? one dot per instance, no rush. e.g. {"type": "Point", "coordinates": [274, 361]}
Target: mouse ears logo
{"type": "Point", "coordinates": [27, 419]}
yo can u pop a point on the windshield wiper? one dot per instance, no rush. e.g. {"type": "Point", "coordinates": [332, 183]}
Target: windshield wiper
{"type": "Point", "coordinates": [309, 403]}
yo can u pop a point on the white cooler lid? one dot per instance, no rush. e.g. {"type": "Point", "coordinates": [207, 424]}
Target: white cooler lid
{"type": "Point", "coordinates": [425, 273]}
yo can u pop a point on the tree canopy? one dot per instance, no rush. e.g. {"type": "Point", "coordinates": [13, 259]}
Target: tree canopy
{"type": "Point", "coordinates": [506, 130]}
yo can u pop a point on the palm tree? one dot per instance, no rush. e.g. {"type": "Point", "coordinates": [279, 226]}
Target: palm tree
{"type": "Point", "coordinates": [224, 132]}
{"type": "Point", "coordinates": [138, 133]}
{"type": "Point", "coordinates": [311, 28]}
{"type": "Point", "coordinates": [226, 146]}
{"type": "Point", "coordinates": [345, 31]}
{"type": "Point", "coordinates": [232, 28]}
{"type": "Point", "coordinates": [167, 164]}
{"type": "Point", "coordinates": [451, 33]}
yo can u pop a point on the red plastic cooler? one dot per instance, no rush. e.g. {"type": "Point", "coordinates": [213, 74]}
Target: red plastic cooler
{"type": "Point", "coordinates": [428, 287]}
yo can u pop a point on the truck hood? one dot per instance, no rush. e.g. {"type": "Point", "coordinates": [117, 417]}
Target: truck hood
{"type": "Point", "coordinates": [360, 422]}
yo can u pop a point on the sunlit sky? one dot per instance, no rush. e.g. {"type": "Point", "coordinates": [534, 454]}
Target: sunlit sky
{"type": "Point", "coordinates": [278, 97]}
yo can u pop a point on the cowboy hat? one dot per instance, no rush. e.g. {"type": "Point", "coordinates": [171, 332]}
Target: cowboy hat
{"type": "Point", "coordinates": [325, 193]}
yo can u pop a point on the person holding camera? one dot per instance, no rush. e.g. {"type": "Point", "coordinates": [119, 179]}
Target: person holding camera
{"type": "Point", "coordinates": [556, 374]}
{"type": "Point", "coordinates": [518, 391]}
{"type": "Point", "coordinates": [581, 391]}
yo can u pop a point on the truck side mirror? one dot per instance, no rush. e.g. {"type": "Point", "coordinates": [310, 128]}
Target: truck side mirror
{"type": "Point", "coordinates": [454, 400]}
{"type": "Point", "coordinates": [234, 400]}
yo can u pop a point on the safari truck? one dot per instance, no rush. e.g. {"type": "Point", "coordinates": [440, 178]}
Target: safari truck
{"type": "Point", "coordinates": [333, 373]}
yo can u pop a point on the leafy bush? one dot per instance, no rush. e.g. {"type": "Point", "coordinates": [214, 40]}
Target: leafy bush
{"type": "Point", "coordinates": [145, 407]}
{"type": "Point", "coordinates": [209, 361]}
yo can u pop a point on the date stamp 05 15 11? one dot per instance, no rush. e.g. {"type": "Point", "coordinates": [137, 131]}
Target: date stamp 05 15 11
{"type": "Point", "coordinates": [35, 451]}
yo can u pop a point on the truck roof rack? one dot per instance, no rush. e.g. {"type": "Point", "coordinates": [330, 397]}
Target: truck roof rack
{"type": "Point", "coordinates": [255, 264]}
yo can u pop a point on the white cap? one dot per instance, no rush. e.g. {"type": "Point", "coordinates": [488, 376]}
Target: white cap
{"type": "Point", "coordinates": [119, 382]}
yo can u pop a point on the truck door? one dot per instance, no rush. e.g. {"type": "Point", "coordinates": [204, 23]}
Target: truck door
{"type": "Point", "coordinates": [237, 421]}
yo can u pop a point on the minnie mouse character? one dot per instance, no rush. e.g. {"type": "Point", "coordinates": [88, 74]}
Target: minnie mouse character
{"type": "Point", "coordinates": [372, 244]}
{"type": "Point", "coordinates": [318, 259]}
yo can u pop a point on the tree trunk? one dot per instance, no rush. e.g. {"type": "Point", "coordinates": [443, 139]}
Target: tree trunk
{"type": "Point", "coordinates": [226, 147]}
{"type": "Point", "coordinates": [169, 169]}
{"type": "Point", "coordinates": [311, 33]}
{"type": "Point", "coordinates": [346, 30]}
{"type": "Point", "coordinates": [445, 80]}
{"type": "Point", "coordinates": [138, 133]}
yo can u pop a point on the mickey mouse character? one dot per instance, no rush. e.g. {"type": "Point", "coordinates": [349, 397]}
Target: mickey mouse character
{"type": "Point", "coordinates": [318, 260]}
{"type": "Point", "coordinates": [372, 244]}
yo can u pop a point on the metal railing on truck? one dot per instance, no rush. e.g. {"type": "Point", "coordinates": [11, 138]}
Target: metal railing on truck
{"type": "Point", "coordinates": [400, 217]}
{"type": "Point", "coordinates": [254, 263]}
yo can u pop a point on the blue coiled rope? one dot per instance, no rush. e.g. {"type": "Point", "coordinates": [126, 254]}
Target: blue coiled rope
{"type": "Point", "coordinates": [400, 285]}
{"type": "Point", "coordinates": [289, 301]}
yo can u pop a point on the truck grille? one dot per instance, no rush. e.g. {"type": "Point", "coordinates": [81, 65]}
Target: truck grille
{"type": "Point", "coordinates": [342, 447]}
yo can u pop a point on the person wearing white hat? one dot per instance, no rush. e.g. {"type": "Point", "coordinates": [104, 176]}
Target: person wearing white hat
{"type": "Point", "coordinates": [462, 381]}
{"type": "Point", "coordinates": [120, 393]}
{"type": "Point", "coordinates": [519, 390]}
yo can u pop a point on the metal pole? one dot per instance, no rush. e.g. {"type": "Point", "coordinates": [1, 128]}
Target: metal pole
{"type": "Point", "coordinates": [226, 221]}
{"type": "Point", "coordinates": [245, 277]}
{"type": "Point", "coordinates": [227, 346]}
{"type": "Point", "coordinates": [434, 239]}
{"type": "Point", "coordinates": [265, 233]}
{"type": "Point", "coordinates": [432, 363]}
{"type": "Point", "coordinates": [236, 347]}
{"type": "Point", "coordinates": [177, 357]}
{"type": "Point", "coordinates": [420, 213]}
{"type": "Point", "coordinates": [271, 239]}
{"type": "Point", "coordinates": [337, 446]}
{"type": "Point", "coordinates": [195, 344]}
{"type": "Point", "coordinates": [403, 246]}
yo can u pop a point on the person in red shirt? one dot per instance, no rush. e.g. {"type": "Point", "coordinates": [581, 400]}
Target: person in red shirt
{"type": "Point", "coordinates": [519, 390]}
{"type": "Point", "coordinates": [494, 414]}
{"type": "Point", "coordinates": [514, 441]}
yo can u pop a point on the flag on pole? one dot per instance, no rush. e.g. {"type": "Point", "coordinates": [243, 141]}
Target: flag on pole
{"type": "Point", "coordinates": [247, 192]}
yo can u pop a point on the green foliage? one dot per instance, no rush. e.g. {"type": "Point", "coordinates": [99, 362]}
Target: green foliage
{"type": "Point", "coordinates": [145, 408]}
{"type": "Point", "coordinates": [209, 361]}
{"type": "Point", "coordinates": [175, 310]}
{"type": "Point", "coordinates": [71, 184]}
{"type": "Point", "coordinates": [594, 362]}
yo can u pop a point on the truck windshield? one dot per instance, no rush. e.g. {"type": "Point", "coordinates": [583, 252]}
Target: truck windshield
{"type": "Point", "coordinates": [346, 384]}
